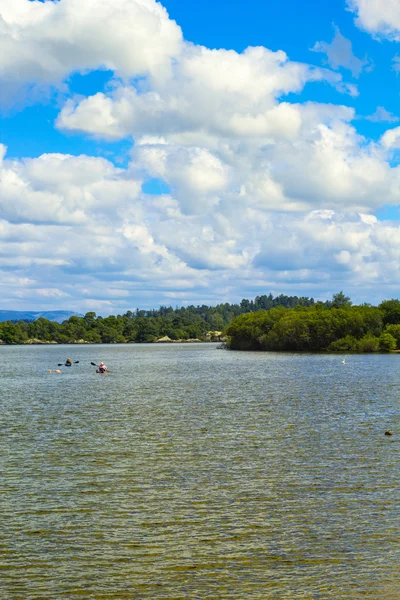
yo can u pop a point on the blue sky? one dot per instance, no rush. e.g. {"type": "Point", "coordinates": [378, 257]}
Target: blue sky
{"type": "Point", "coordinates": [197, 152]}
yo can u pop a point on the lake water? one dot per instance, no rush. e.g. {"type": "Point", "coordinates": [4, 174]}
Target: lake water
{"type": "Point", "coordinates": [195, 473]}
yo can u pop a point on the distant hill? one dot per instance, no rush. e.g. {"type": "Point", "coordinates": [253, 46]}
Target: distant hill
{"type": "Point", "coordinates": [52, 315]}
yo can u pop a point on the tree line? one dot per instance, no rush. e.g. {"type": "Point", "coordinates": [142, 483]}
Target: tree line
{"type": "Point", "coordinates": [183, 323]}
{"type": "Point", "coordinates": [285, 323]}
{"type": "Point", "coordinates": [337, 326]}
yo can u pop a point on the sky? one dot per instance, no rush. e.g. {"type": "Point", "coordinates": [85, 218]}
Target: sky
{"type": "Point", "coordinates": [197, 152]}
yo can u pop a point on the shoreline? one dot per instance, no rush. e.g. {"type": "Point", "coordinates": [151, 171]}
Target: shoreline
{"type": "Point", "coordinates": [86, 343]}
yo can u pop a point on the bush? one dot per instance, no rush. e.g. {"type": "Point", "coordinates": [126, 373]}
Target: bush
{"type": "Point", "coordinates": [345, 344]}
{"type": "Point", "coordinates": [394, 330]}
{"type": "Point", "coordinates": [369, 343]}
{"type": "Point", "coordinates": [387, 343]}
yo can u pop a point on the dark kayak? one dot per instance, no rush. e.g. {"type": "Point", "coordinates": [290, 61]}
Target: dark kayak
{"type": "Point", "coordinates": [102, 371]}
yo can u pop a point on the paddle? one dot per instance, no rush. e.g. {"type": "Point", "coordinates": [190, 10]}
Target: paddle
{"type": "Point", "coordinates": [61, 364]}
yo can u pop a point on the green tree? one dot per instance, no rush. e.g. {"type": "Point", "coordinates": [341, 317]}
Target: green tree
{"type": "Point", "coordinates": [394, 330]}
{"type": "Point", "coordinates": [391, 311]}
{"type": "Point", "coordinates": [111, 335]}
{"type": "Point", "coordinates": [11, 333]}
{"type": "Point", "coordinates": [345, 344]}
{"type": "Point", "coordinates": [369, 343]}
{"type": "Point", "coordinates": [291, 332]}
{"type": "Point", "coordinates": [147, 330]}
{"type": "Point", "coordinates": [90, 318]}
{"type": "Point", "coordinates": [387, 343]}
{"type": "Point", "coordinates": [339, 300]}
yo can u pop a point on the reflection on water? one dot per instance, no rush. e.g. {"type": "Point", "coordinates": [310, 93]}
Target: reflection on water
{"type": "Point", "coordinates": [192, 473]}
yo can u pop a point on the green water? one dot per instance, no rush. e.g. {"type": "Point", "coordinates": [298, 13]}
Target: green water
{"type": "Point", "coordinates": [196, 473]}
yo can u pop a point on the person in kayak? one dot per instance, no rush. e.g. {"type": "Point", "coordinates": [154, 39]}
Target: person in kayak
{"type": "Point", "coordinates": [102, 368]}
{"type": "Point", "coordinates": [68, 362]}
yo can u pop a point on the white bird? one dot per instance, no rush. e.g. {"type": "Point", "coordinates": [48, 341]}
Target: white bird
{"type": "Point", "coordinates": [343, 362]}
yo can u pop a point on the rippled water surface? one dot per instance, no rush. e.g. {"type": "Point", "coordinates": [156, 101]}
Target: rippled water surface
{"type": "Point", "coordinates": [192, 473]}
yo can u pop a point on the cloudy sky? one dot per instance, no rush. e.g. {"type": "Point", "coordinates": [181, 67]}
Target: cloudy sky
{"type": "Point", "coordinates": [197, 152]}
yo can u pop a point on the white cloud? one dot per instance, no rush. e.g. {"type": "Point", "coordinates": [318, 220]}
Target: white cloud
{"type": "Point", "coordinates": [50, 292]}
{"type": "Point", "coordinates": [222, 91]}
{"type": "Point", "coordinates": [327, 165]}
{"type": "Point", "coordinates": [237, 214]}
{"type": "Point", "coordinates": [56, 188]}
{"type": "Point", "coordinates": [196, 175]}
{"type": "Point", "coordinates": [344, 257]}
{"type": "Point", "coordinates": [213, 92]}
{"type": "Point", "coordinates": [378, 18]}
{"type": "Point", "coordinates": [336, 169]}
{"type": "Point", "coordinates": [43, 42]}
{"type": "Point", "coordinates": [145, 248]}
{"type": "Point", "coordinates": [391, 139]}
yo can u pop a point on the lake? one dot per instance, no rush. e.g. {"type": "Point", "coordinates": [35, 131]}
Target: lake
{"type": "Point", "coordinates": [190, 472]}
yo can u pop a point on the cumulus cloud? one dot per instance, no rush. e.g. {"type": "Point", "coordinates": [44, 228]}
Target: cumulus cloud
{"type": "Point", "coordinates": [378, 18]}
{"type": "Point", "coordinates": [64, 189]}
{"type": "Point", "coordinates": [220, 92]}
{"type": "Point", "coordinates": [391, 139]}
{"type": "Point", "coordinates": [218, 132]}
{"type": "Point", "coordinates": [326, 165]}
{"type": "Point", "coordinates": [128, 247]}
{"type": "Point", "coordinates": [43, 42]}
{"type": "Point", "coordinates": [197, 176]}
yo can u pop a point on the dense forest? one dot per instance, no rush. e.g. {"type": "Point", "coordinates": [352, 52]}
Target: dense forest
{"type": "Point", "coordinates": [338, 327]}
{"type": "Point", "coordinates": [192, 322]}
{"type": "Point", "coordinates": [266, 323]}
